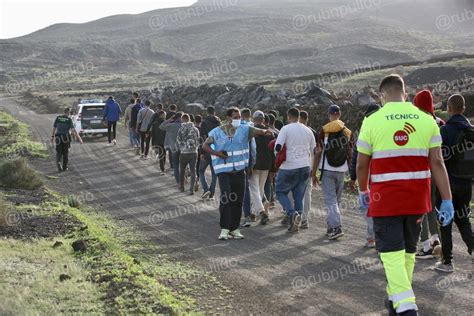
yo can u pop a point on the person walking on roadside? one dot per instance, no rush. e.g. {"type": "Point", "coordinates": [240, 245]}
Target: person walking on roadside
{"type": "Point", "coordinates": [170, 114]}
{"type": "Point", "coordinates": [370, 243]}
{"type": "Point", "coordinates": [197, 123]}
{"type": "Point", "coordinates": [424, 101]}
{"type": "Point", "coordinates": [210, 122]}
{"type": "Point", "coordinates": [133, 125]}
{"type": "Point", "coordinates": [294, 172]}
{"type": "Point", "coordinates": [304, 119]}
{"type": "Point", "coordinates": [158, 138]}
{"type": "Point", "coordinates": [144, 118]}
{"type": "Point", "coordinates": [246, 115]}
{"type": "Point", "coordinates": [263, 164]}
{"type": "Point", "coordinates": [127, 121]}
{"type": "Point", "coordinates": [458, 153]}
{"type": "Point", "coordinates": [270, 183]}
{"type": "Point", "coordinates": [188, 142]}
{"type": "Point", "coordinates": [171, 126]}
{"type": "Point", "coordinates": [230, 158]}
{"type": "Point", "coordinates": [333, 157]}
{"type": "Point", "coordinates": [61, 136]}
{"type": "Point", "coordinates": [398, 145]}
{"type": "Point", "coordinates": [111, 115]}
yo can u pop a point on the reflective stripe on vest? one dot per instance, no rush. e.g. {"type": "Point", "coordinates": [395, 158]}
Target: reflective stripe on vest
{"type": "Point", "coordinates": [384, 177]}
{"type": "Point", "coordinates": [237, 148]}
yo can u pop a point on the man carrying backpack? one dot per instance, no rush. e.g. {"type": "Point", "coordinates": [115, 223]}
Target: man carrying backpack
{"type": "Point", "coordinates": [334, 146]}
{"type": "Point", "coordinates": [458, 154]}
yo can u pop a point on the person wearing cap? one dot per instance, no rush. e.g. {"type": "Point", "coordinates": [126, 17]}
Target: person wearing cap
{"type": "Point", "coordinates": [430, 245]}
{"type": "Point", "coordinates": [333, 157]}
{"type": "Point", "coordinates": [259, 174]}
{"type": "Point", "coordinates": [399, 149]}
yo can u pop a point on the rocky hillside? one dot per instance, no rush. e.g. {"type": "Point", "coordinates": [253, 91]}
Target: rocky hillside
{"type": "Point", "coordinates": [261, 39]}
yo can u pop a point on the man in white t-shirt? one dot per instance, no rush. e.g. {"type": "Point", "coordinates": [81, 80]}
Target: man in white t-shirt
{"type": "Point", "coordinates": [294, 173]}
{"type": "Point", "coordinates": [334, 146]}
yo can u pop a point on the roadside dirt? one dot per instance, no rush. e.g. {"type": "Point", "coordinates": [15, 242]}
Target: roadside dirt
{"type": "Point", "coordinates": [270, 271]}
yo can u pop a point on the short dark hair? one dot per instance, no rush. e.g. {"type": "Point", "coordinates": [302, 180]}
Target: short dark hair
{"type": "Point", "coordinates": [231, 111]}
{"type": "Point", "coordinates": [160, 106]}
{"type": "Point", "coordinates": [211, 110]}
{"type": "Point", "coordinates": [132, 101]}
{"type": "Point", "coordinates": [173, 107]}
{"type": "Point", "coordinates": [246, 112]}
{"type": "Point", "coordinates": [185, 117]}
{"type": "Point", "coordinates": [294, 113]}
{"type": "Point", "coordinates": [271, 119]}
{"type": "Point", "coordinates": [198, 118]}
{"type": "Point", "coordinates": [67, 110]}
{"type": "Point", "coordinates": [161, 112]}
{"type": "Point", "coordinates": [457, 103]}
{"type": "Point", "coordinates": [392, 82]}
{"type": "Point", "coordinates": [135, 94]}
{"type": "Point", "coordinates": [178, 115]}
{"type": "Point", "coordinates": [139, 101]}
{"type": "Point", "coordinates": [266, 119]}
{"type": "Point", "coordinates": [274, 112]}
{"type": "Point", "coordinates": [304, 115]}
{"type": "Point", "coordinates": [147, 103]}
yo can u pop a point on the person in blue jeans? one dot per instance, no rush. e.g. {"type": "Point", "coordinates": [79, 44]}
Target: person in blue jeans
{"type": "Point", "coordinates": [294, 172]}
{"type": "Point", "coordinates": [210, 122]}
{"type": "Point", "coordinates": [111, 115]}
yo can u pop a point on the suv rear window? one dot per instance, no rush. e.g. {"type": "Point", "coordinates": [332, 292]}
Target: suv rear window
{"type": "Point", "coordinates": [92, 111]}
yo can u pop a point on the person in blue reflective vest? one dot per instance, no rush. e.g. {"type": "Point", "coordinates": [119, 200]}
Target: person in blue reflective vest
{"type": "Point", "coordinates": [228, 145]}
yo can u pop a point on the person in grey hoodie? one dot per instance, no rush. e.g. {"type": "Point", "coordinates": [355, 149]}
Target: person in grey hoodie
{"type": "Point", "coordinates": [171, 127]}
{"type": "Point", "coordinates": [188, 142]}
{"type": "Point", "coordinates": [144, 119]}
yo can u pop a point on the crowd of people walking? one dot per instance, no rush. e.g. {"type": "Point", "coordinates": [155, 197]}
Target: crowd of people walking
{"type": "Point", "coordinates": [413, 171]}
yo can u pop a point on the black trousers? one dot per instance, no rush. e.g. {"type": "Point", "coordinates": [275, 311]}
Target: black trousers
{"type": "Point", "coordinates": [161, 155]}
{"type": "Point", "coordinates": [63, 142]}
{"type": "Point", "coordinates": [232, 186]}
{"type": "Point", "coordinates": [111, 130]}
{"type": "Point", "coordinates": [462, 194]}
{"type": "Point", "coordinates": [145, 143]}
{"type": "Point", "coordinates": [395, 233]}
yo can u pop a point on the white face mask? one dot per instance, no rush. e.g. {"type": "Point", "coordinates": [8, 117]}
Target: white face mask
{"type": "Point", "coordinates": [235, 123]}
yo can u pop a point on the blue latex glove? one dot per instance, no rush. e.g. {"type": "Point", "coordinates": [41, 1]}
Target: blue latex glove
{"type": "Point", "coordinates": [446, 212]}
{"type": "Point", "coordinates": [364, 199]}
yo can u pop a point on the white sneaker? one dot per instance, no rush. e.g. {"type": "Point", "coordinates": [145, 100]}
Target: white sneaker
{"type": "Point", "coordinates": [114, 142]}
{"type": "Point", "coordinates": [109, 144]}
{"type": "Point", "coordinates": [224, 234]}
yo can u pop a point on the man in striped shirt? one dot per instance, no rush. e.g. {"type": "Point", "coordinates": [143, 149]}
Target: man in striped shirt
{"type": "Point", "coordinates": [399, 149]}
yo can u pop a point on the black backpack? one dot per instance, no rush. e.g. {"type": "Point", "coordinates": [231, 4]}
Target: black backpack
{"type": "Point", "coordinates": [336, 148]}
{"type": "Point", "coordinates": [461, 161]}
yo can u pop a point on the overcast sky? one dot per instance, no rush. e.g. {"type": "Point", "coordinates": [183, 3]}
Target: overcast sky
{"type": "Point", "coordinates": [20, 17]}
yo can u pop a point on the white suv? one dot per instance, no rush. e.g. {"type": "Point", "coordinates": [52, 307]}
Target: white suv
{"type": "Point", "coordinates": [88, 120]}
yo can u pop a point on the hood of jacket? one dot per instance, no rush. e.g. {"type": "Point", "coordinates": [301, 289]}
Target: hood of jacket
{"type": "Point", "coordinates": [459, 121]}
{"type": "Point", "coordinates": [213, 120]}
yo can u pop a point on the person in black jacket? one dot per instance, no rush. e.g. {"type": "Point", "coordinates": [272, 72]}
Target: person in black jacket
{"type": "Point", "coordinates": [461, 189]}
{"type": "Point", "coordinates": [259, 174]}
{"type": "Point", "coordinates": [210, 122]}
{"type": "Point", "coordinates": [352, 171]}
{"type": "Point", "coordinates": [158, 138]}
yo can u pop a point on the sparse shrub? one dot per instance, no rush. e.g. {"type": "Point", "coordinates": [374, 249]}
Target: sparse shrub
{"type": "Point", "coordinates": [4, 211]}
{"type": "Point", "coordinates": [72, 201]}
{"type": "Point", "coordinates": [17, 174]}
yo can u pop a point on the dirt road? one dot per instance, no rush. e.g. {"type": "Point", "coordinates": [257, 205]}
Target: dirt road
{"type": "Point", "coordinates": [270, 271]}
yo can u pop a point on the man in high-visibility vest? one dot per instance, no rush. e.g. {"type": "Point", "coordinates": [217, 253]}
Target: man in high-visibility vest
{"type": "Point", "coordinates": [228, 145]}
{"type": "Point", "coordinates": [399, 149]}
